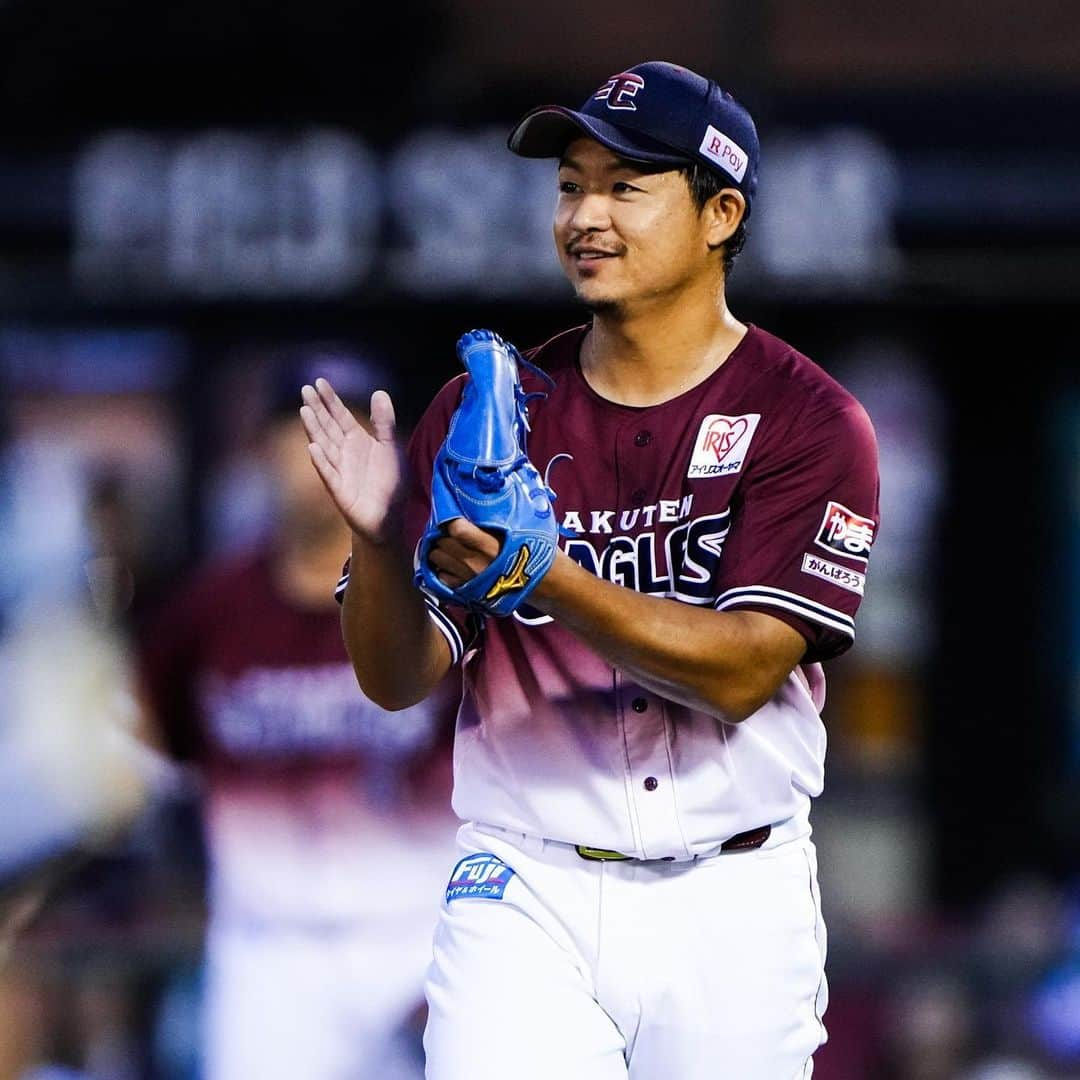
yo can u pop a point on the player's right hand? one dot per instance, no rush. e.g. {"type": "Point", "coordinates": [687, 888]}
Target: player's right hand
{"type": "Point", "coordinates": [360, 468]}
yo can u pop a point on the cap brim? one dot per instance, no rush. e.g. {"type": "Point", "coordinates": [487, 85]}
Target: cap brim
{"type": "Point", "coordinates": [545, 132]}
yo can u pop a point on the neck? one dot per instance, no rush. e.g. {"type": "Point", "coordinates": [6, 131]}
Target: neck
{"type": "Point", "coordinates": [648, 356]}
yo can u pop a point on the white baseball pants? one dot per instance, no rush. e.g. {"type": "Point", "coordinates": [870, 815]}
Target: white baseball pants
{"type": "Point", "coordinates": [629, 970]}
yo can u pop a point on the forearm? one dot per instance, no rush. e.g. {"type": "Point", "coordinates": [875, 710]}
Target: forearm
{"type": "Point", "coordinates": [725, 663]}
{"type": "Point", "coordinates": [398, 654]}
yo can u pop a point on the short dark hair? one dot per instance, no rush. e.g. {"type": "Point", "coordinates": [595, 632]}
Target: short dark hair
{"type": "Point", "coordinates": [704, 184]}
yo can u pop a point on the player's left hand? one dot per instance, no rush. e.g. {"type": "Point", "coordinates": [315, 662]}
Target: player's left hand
{"type": "Point", "coordinates": [465, 551]}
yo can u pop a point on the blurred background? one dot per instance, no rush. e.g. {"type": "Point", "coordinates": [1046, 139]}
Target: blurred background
{"type": "Point", "coordinates": [190, 192]}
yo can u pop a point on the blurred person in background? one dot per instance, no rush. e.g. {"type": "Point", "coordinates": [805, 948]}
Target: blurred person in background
{"type": "Point", "coordinates": [73, 778]}
{"type": "Point", "coordinates": [326, 819]}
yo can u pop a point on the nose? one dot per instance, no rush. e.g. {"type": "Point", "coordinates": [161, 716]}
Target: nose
{"type": "Point", "coordinates": [590, 214]}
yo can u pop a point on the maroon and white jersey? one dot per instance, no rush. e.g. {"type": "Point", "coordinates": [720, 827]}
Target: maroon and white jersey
{"type": "Point", "coordinates": [308, 784]}
{"type": "Point", "coordinates": [755, 490]}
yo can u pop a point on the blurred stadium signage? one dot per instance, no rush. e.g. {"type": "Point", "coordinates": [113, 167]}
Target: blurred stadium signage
{"type": "Point", "coordinates": [321, 215]}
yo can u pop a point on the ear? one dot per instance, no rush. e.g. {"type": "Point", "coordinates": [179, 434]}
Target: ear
{"type": "Point", "coordinates": [722, 214]}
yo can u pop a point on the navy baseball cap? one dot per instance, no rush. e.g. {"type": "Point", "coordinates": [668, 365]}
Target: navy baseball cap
{"type": "Point", "coordinates": [658, 113]}
{"type": "Point", "coordinates": [354, 375]}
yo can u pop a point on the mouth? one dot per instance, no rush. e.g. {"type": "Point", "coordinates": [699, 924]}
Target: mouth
{"type": "Point", "coordinates": [590, 256]}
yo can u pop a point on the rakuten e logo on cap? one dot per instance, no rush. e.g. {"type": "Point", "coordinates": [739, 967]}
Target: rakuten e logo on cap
{"type": "Point", "coordinates": [729, 155]}
{"type": "Point", "coordinates": [620, 90]}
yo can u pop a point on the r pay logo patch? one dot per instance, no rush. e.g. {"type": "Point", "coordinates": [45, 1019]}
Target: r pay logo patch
{"type": "Point", "coordinates": [726, 152]}
{"type": "Point", "coordinates": [721, 444]}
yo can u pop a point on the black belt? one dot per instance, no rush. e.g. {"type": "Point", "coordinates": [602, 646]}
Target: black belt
{"type": "Point", "coordinates": [744, 841]}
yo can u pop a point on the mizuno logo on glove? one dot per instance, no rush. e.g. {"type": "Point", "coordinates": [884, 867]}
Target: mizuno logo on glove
{"type": "Point", "coordinates": [516, 579]}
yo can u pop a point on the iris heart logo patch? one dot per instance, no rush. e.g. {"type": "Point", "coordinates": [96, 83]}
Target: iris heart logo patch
{"type": "Point", "coordinates": [723, 434]}
{"type": "Point", "coordinates": [721, 444]}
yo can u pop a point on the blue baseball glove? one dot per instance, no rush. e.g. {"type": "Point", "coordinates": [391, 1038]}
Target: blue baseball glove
{"type": "Point", "coordinates": [483, 473]}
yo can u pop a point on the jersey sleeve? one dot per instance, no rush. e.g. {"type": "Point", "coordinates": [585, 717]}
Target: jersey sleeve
{"type": "Point", "coordinates": [804, 524]}
{"type": "Point", "coordinates": [454, 623]}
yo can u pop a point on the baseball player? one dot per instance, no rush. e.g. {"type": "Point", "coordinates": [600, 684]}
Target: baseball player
{"type": "Point", "coordinates": [637, 747]}
{"type": "Point", "coordinates": [326, 819]}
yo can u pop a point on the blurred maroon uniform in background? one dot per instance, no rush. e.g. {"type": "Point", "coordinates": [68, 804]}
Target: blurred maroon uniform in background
{"type": "Point", "coordinates": [326, 818]}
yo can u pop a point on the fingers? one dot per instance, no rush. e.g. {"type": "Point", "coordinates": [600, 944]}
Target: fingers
{"type": "Point", "coordinates": [457, 560]}
{"type": "Point", "coordinates": [335, 407]}
{"type": "Point", "coordinates": [471, 536]}
{"type": "Point", "coordinates": [383, 421]}
{"type": "Point", "coordinates": [320, 425]}
{"type": "Point", "coordinates": [329, 475]}
{"type": "Point", "coordinates": [334, 418]}
{"type": "Point", "coordinates": [318, 436]}
{"type": "Point", "coordinates": [461, 561]}
{"type": "Point", "coordinates": [452, 571]}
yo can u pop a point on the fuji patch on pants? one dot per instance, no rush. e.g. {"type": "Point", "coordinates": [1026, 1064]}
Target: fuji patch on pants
{"type": "Point", "coordinates": [483, 876]}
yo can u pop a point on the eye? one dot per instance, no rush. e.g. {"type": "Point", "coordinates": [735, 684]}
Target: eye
{"type": "Point", "coordinates": [621, 187]}
{"type": "Point", "coordinates": [568, 187]}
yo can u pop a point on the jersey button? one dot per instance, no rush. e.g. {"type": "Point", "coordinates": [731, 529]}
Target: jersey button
{"type": "Point", "coordinates": [639, 704]}
{"type": "Point", "coordinates": [638, 497]}
{"type": "Point", "coordinates": [651, 783]}
{"type": "Point", "coordinates": [643, 438]}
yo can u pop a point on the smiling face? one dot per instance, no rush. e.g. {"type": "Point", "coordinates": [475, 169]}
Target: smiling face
{"type": "Point", "coordinates": [627, 236]}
